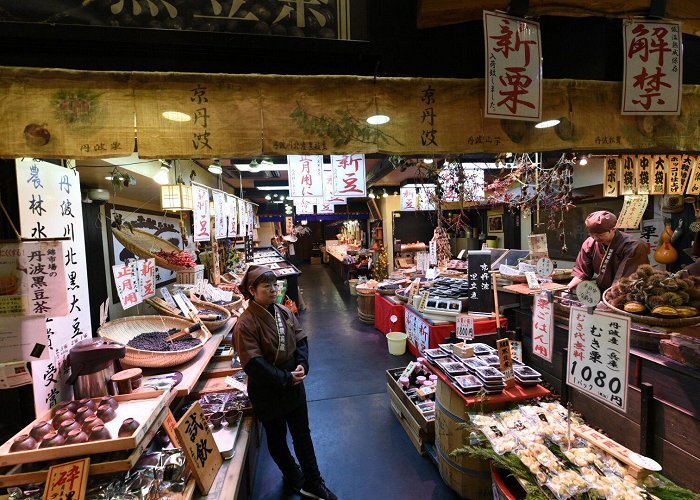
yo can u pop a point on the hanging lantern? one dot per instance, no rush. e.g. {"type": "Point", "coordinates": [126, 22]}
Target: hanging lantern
{"type": "Point", "coordinates": [176, 197]}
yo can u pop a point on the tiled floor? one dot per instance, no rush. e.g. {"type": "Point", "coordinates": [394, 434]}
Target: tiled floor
{"type": "Point", "coordinates": [362, 450]}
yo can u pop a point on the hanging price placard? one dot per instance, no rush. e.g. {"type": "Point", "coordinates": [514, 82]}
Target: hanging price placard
{"type": "Point", "coordinates": [629, 174]}
{"type": "Point", "coordinates": [694, 180]}
{"type": "Point", "coordinates": [688, 163]}
{"type": "Point", "coordinates": [543, 327]}
{"type": "Point", "coordinates": [644, 174]}
{"type": "Point", "coordinates": [611, 165]}
{"type": "Point", "coordinates": [658, 183]}
{"type": "Point", "coordinates": [465, 327]}
{"type": "Point", "coordinates": [673, 165]}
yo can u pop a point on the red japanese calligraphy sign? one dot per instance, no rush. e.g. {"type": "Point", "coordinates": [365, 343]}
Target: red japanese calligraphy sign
{"type": "Point", "coordinates": [329, 195]}
{"type": "Point", "coordinates": [409, 199]}
{"type": "Point", "coordinates": [232, 212]}
{"type": "Point", "coordinates": [610, 185]}
{"type": "Point", "coordinates": [349, 176]}
{"type": "Point", "coordinates": [543, 327]}
{"type": "Point", "coordinates": [632, 212]}
{"type": "Point", "coordinates": [325, 208]}
{"type": "Point", "coordinates": [126, 281]}
{"type": "Point", "coordinates": [201, 213]}
{"type": "Point", "coordinates": [653, 75]}
{"type": "Point", "coordinates": [305, 178]}
{"type": "Point", "coordinates": [146, 270]}
{"type": "Point", "coordinates": [513, 68]}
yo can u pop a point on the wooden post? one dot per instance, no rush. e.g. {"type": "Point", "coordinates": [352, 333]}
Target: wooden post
{"type": "Point", "coordinates": [500, 331]}
{"type": "Point", "coordinates": [646, 422]}
{"type": "Point", "coordinates": [564, 368]}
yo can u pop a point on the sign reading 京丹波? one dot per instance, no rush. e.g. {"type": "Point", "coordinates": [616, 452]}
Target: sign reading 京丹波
{"type": "Point", "coordinates": [513, 68]}
{"type": "Point", "coordinates": [632, 211]}
{"type": "Point", "coordinates": [598, 353]}
{"type": "Point", "coordinates": [200, 449]}
{"type": "Point", "coordinates": [349, 175]}
{"type": "Point", "coordinates": [50, 206]}
{"type": "Point", "coordinates": [611, 176]}
{"type": "Point", "coordinates": [200, 213]}
{"type": "Point", "coordinates": [232, 212]}
{"type": "Point", "coordinates": [653, 74]}
{"type": "Point", "coordinates": [305, 175]}
{"type": "Point", "coordinates": [329, 195]}
{"type": "Point", "coordinates": [644, 174]}
{"type": "Point", "coordinates": [220, 228]}
{"type": "Point", "coordinates": [628, 168]}
{"type": "Point", "coordinates": [543, 327]}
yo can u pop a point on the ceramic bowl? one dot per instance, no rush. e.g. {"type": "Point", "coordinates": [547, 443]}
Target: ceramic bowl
{"type": "Point", "coordinates": [108, 400]}
{"type": "Point", "coordinates": [60, 406]}
{"type": "Point", "coordinates": [83, 413]}
{"type": "Point", "coordinates": [60, 416]}
{"type": "Point", "coordinates": [99, 432]}
{"type": "Point", "coordinates": [106, 412]}
{"type": "Point", "coordinates": [128, 427]}
{"type": "Point", "coordinates": [73, 406]}
{"type": "Point", "coordinates": [91, 422]}
{"type": "Point", "coordinates": [232, 416]}
{"type": "Point", "coordinates": [51, 440]}
{"type": "Point", "coordinates": [89, 403]}
{"type": "Point", "coordinates": [40, 429]}
{"type": "Point", "coordinates": [67, 426]}
{"type": "Point", "coordinates": [23, 442]}
{"type": "Point", "coordinates": [76, 436]}
{"type": "Point", "coordinates": [216, 418]}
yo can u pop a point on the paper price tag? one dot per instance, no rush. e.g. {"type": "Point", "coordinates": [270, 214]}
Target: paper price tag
{"type": "Point", "coordinates": [433, 253]}
{"type": "Point", "coordinates": [504, 356]}
{"type": "Point", "coordinates": [532, 282]}
{"type": "Point", "coordinates": [545, 267]}
{"type": "Point", "coordinates": [588, 293]}
{"type": "Point", "coordinates": [465, 327]}
{"type": "Point", "coordinates": [431, 273]}
{"type": "Point", "coordinates": [236, 384]}
{"type": "Point", "coordinates": [167, 297]}
{"type": "Point", "coordinates": [423, 300]}
{"type": "Point", "coordinates": [516, 350]}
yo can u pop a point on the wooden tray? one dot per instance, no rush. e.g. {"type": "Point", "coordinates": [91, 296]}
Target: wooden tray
{"type": "Point", "coordinates": [211, 325]}
{"type": "Point", "coordinates": [8, 478]}
{"type": "Point", "coordinates": [142, 406]}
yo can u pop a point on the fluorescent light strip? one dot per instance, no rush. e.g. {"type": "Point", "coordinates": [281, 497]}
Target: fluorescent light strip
{"type": "Point", "coordinates": [244, 167]}
{"type": "Point", "coordinates": [272, 188]}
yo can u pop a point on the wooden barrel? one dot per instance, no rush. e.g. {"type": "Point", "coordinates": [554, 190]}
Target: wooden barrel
{"type": "Point", "coordinates": [365, 306]}
{"type": "Point", "coordinates": [469, 477]}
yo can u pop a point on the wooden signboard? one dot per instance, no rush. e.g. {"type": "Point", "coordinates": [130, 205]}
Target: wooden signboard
{"type": "Point", "coordinates": [694, 180]}
{"type": "Point", "coordinates": [688, 164]}
{"type": "Point", "coordinates": [169, 425]}
{"type": "Point", "coordinates": [673, 165]}
{"type": "Point", "coordinates": [629, 174]}
{"type": "Point", "coordinates": [199, 446]}
{"type": "Point", "coordinates": [505, 356]}
{"type": "Point", "coordinates": [480, 293]}
{"type": "Point", "coordinates": [610, 186]}
{"type": "Point", "coordinates": [643, 174]}
{"type": "Point", "coordinates": [67, 481]}
{"type": "Point", "coordinates": [658, 169]}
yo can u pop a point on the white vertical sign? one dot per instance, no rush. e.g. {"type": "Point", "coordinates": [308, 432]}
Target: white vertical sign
{"type": "Point", "coordinates": [146, 277]}
{"type": "Point", "coordinates": [305, 206]}
{"type": "Point", "coordinates": [409, 199]}
{"type": "Point", "coordinates": [325, 208]}
{"type": "Point", "coordinates": [305, 178]}
{"type": "Point", "coordinates": [328, 194]}
{"type": "Point", "coordinates": [126, 281]}
{"type": "Point", "coordinates": [543, 327]}
{"type": "Point", "coordinates": [242, 217]}
{"type": "Point", "coordinates": [513, 68]}
{"type": "Point", "coordinates": [220, 228]}
{"type": "Point", "coordinates": [200, 214]}
{"type": "Point", "coordinates": [251, 218]}
{"type": "Point", "coordinates": [652, 81]}
{"type": "Point", "coordinates": [232, 212]}
{"type": "Point", "coordinates": [349, 176]}
{"type": "Point", "coordinates": [465, 327]}
{"type": "Point", "coordinates": [61, 216]}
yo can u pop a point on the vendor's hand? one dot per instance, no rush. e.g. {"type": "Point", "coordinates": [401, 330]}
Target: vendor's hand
{"type": "Point", "coordinates": [298, 375]}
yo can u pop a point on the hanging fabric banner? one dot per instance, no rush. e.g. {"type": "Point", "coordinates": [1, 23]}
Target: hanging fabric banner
{"type": "Point", "coordinates": [127, 283]}
{"type": "Point", "coordinates": [513, 68]}
{"type": "Point", "coordinates": [644, 174]}
{"type": "Point", "coordinates": [628, 168]}
{"type": "Point", "coordinates": [653, 75]}
{"type": "Point", "coordinates": [232, 211]}
{"type": "Point", "coordinates": [328, 194]}
{"type": "Point", "coordinates": [242, 215]}
{"type": "Point", "coordinates": [325, 208]}
{"type": "Point", "coordinates": [220, 228]}
{"type": "Point", "coordinates": [200, 214]}
{"type": "Point", "coordinates": [349, 176]}
{"type": "Point", "coordinates": [305, 178]}
{"type": "Point", "coordinates": [673, 166]}
{"type": "Point", "coordinates": [611, 163]}
{"type": "Point", "coordinates": [659, 170]}
{"type": "Point", "coordinates": [305, 206]}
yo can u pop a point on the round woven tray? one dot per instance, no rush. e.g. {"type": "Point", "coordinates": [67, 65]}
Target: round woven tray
{"type": "Point", "coordinates": [124, 329]}
{"type": "Point", "coordinates": [653, 320]}
{"type": "Point", "coordinates": [211, 325]}
{"type": "Point", "coordinates": [232, 306]}
{"type": "Point", "coordinates": [557, 275]}
{"type": "Point", "coordinates": [145, 245]}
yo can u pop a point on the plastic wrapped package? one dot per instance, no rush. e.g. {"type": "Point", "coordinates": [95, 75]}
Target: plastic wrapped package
{"type": "Point", "coordinates": [501, 440]}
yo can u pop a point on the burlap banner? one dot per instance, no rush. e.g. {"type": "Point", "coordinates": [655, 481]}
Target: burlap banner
{"type": "Point", "coordinates": [69, 114]}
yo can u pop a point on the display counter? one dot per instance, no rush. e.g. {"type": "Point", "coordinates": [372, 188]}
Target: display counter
{"type": "Point", "coordinates": [283, 269]}
{"type": "Point", "coordinates": [386, 306]}
{"type": "Point", "coordinates": [337, 254]}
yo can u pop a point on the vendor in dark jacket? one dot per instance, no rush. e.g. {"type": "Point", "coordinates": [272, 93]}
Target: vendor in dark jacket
{"type": "Point", "coordinates": [274, 353]}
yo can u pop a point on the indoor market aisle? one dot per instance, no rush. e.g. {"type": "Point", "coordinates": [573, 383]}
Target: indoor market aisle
{"type": "Point", "coordinates": [363, 452]}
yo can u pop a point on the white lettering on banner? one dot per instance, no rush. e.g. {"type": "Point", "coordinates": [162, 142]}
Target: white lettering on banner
{"type": "Point", "coordinates": [349, 175]}
{"type": "Point", "coordinates": [409, 198]}
{"type": "Point", "coordinates": [653, 68]}
{"type": "Point", "coordinates": [543, 327]}
{"type": "Point", "coordinates": [201, 213]}
{"type": "Point", "coordinates": [220, 229]}
{"type": "Point", "coordinates": [328, 194]}
{"type": "Point", "coordinates": [598, 353]}
{"type": "Point", "coordinates": [305, 178]}
{"type": "Point", "coordinates": [232, 212]}
{"type": "Point", "coordinates": [63, 217]}
{"type": "Point", "coordinates": [513, 68]}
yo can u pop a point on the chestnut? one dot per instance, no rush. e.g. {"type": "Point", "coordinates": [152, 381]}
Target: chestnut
{"type": "Point", "coordinates": [76, 436]}
{"type": "Point", "coordinates": [106, 412]}
{"type": "Point", "coordinates": [40, 429]}
{"type": "Point", "coordinates": [23, 442]}
{"type": "Point", "coordinates": [51, 440]}
{"type": "Point", "coordinates": [99, 432]}
{"type": "Point", "coordinates": [128, 427]}
{"type": "Point", "coordinates": [60, 416]}
{"type": "Point", "coordinates": [67, 426]}
{"type": "Point", "coordinates": [91, 422]}
{"type": "Point", "coordinates": [83, 413]}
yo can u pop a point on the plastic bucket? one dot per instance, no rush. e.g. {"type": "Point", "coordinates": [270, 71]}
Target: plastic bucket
{"type": "Point", "coordinates": [397, 343]}
{"type": "Point", "coordinates": [353, 286]}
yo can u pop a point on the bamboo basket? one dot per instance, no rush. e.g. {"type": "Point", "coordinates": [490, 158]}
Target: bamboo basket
{"type": "Point", "coordinates": [653, 320]}
{"type": "Point", "coordinates": [145, 245]}
{"type": "Point", "coordinates": [232, 306]}
{"type": "Point", "coordinates": [124, 329]}
{"type": "Point", "coordinates": [211, 325]}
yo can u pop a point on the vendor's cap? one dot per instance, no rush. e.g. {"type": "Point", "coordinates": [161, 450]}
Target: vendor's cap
{"type": "Point", "coordinates": [601, 221]}
{"type": "Point", "coordinates": [253, 272]}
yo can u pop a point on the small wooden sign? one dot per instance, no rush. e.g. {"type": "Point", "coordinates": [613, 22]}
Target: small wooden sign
{"type": "Point", "coordinates": [423, 300]}
{"type": "Point", "coordinates": [199, 446]}
{"type": "Point", "coordinates": [504, 355]}
{"type": "Point", "coordinates": [169, 425]}
{"type": "Point", "coordinates": [67, 481]}
{"type": "Point", "coordinates": [644, 163]}
{"type": "Point", "coordinates": [611, 167]}
{"type": "Point", "coordinates": [465, 327]}
{"type": "Point", "coordinates": [658, 169]}
{"type": "Point", "coordinates": [688, 164]}
{"type": "Point", "coordinates": [415, 288]}
{"type": "Point", "coordinates": [673, 169]}
{"type": "Point", "coordinates": [694, 179]}
{"type": "Point", "coordinates": [629, 174]}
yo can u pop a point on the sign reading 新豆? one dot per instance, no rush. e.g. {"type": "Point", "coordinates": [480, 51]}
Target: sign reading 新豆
{"type": "Point", "coordinates": [598, 353]}
{"type": "Point", "coordinates": [513, 68]}
{"type": "Point", "coordinates": [349, 175]}
{"type": "Point", "coordinates": [201, 214]}
{"type": "Point", "coordinates": [652, 83]}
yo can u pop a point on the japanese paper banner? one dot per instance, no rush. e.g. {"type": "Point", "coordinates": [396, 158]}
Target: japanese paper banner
{"type": "Point", "coordinates": [242, 217]}
{"type": "Point", "coordinates": [426, 197]}
{"type": "Point", "coordinates": [653, 75]}
{"type": "Point", "coordinates": [610, 186]}
{"type": "Point", "coordinates": [543, 327]}
{"type": "Point", "coordinates": [513, 84]}
{"type": "Point", "coordinates": [146, 277]}
{"type": "Point", "coordinates": [220, 227]}
{"type": "Point", "coordinates": [409, 199]}
{"type": "Point", "coordinates": [659, 171]}
{"type": "Point", "coordinates": [232, 212]}
{"type": "Point", "coordinates": [694, 180]}
{"type": "Point", "coordinates": [127, 282]}
{"type": "Point", "coordinates": [305, 206]}
{"type": "Point", "coordinates": [688, 163]}
{"type": "Point", "coordinates": [200, 214]}
{"type": "Point", "coordinates": [59, 189]}
{"type": "Point", "coordinates": [673, 165]}
{"type": "Point", "coordinates": [644, 168]}
{"type": "Point", "coordinates": [305, 178]}
{"type": "Point", "coordinates": [251, 218]}
{"type": "Point", "coordinates": [349, 176]}
{"type": "Point", "coordinates": [328, 194]}
{"type": "Point", "coordinates": [288, 225]}
{"type": "Point", "coordinates": [632, 212]}
{"type": "Point", "coordinates": [598, 354]}
{"type": "Point", "coordinates": [325, 208]}
{"type": "Point", "coordinates": [628, 169]}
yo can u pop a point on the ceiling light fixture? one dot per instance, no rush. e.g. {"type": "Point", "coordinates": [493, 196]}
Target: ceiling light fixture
{"type": "Point", "coordinates": [378, 119]}
{"type": "Point", "coordinates": [547, 123]}
{"type": "Point", "coordinates": [583, 161]}
{"type": "Point", "coordinates": [215, 168]}
{"type": "Point", "coordinates": [266, 163]}
{"type": "Point", "coordinates": [162, 177]}
{"type": "Point", "coordinates": [268, 197]}
{"type": "Point", "coordinates": [176, 116]}
{"type": "Point", "coordinates": [253, 164]}
{"type": "Point", "coordinates": [396, 193]}
{"type": "Point", "coordinates": [384, 193]}
{"type": "Point", "coordinates": [371, 194]}
{"type": "Point", "coordinates": [269, 166]}
{"type": "Point", "coordinates": [271, 185]}
{"type": "Point", "coordinates": [428, 161]}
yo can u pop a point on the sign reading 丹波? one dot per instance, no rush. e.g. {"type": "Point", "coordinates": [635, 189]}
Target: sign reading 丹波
{"type": "Point", "coordinates": [652, 81]}
{"type": "Point", "coordinates": [598, 353]}
{"type": "Point", "coordinates": [305, 175]}
{"type": "Point", "coordinates": [632, 212]}
{"type": "Point", "coordinates": [513, 68]}
{"type": "Point", "coordinates": [349, 175]}
{"type": "Point", "coordinates": [200, 213]}
{"type": "Point", "coordinates": [480, 293]}
{"type": "Point", "coordinates": [50, 206]}
{"type": "Point", "coordinates": [232, 213]}
{"type": "Point", "coordinates": [610, 189]}
{"type": "Point", "coordinates": [543, 327]}
{"type": "Point", "coordinates": [465, 327]}
{"type": "Point", "coordinates": [200, 449]}
{"type": "Point", "coordinates": [220, 227]}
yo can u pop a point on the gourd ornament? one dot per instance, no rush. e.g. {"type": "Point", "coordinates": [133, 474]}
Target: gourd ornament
{"type": "Point", "coordinates": [665, 253]}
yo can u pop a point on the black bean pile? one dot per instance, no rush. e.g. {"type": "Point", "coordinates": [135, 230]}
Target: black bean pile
{"type": "Point", "coordinates": [155, 341]}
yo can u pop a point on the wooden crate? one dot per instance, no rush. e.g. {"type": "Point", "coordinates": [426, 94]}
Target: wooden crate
{"type": "Point", "coordinates": [428, 426]}
{"type": "Point", "coordinates": [419, 430]}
